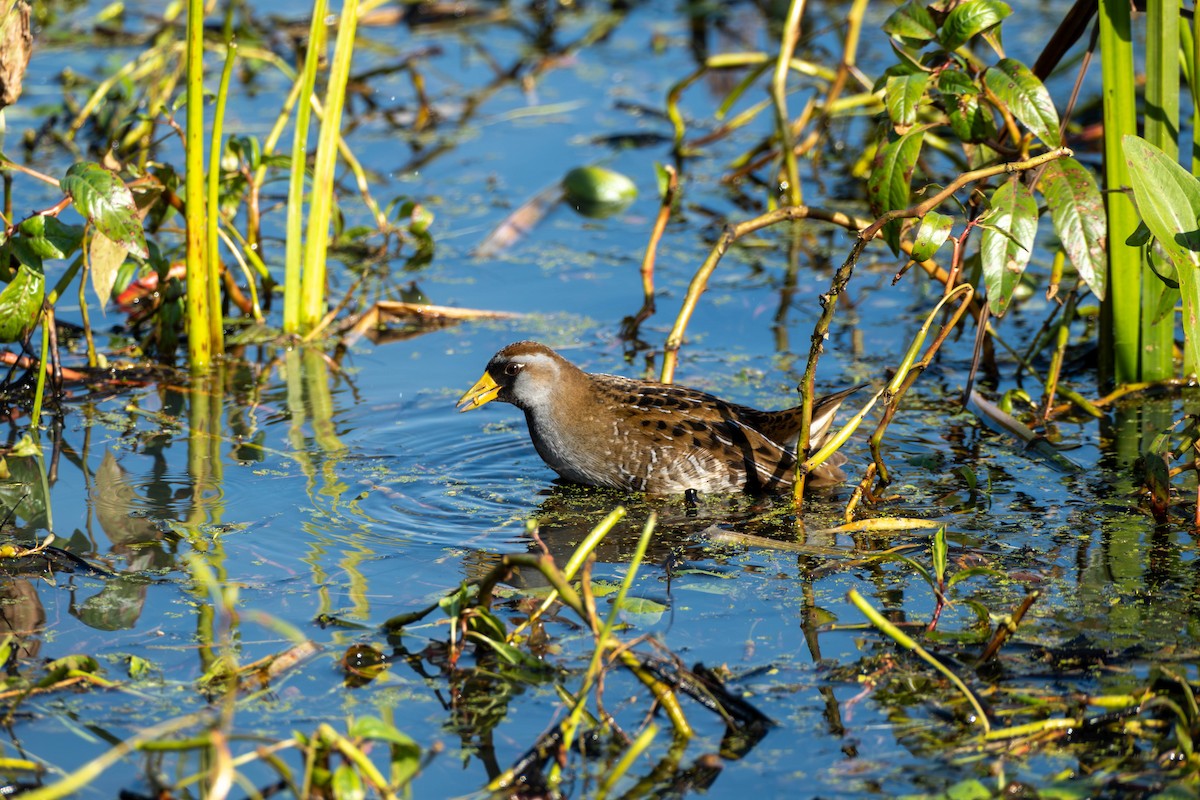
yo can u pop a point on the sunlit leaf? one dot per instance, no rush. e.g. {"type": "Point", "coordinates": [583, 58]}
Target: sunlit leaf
{"type": "Point", "coordinates": [1168, 200]}
{"type": "Point", "coordinates": [940, 553]}
{"type": "Point", "coordinates": [347, 784]}
{"type": "Point", "coordinates": [1007, 242]}
{"type": "Point", "coordinates": [1015, 85]}
{"type": "Point", "coordinates": [50, 238]}
{"type": "Point", "coordinates": [1077, 211]}
{"type": "Point", "coordinates": [21, 304]}
{"type": "Point", "coordinates": [911, 21]}
{"type": "Point", "coordinates": [935, 229]}
{"type": "Point", "coordinates": [903, 96]}
{"type": "Point", "coordinates": [105, 258]}
{"type": "Point", "coordinates": [597, 191]}
{"type": "Point", "coordinates": [368, 727]}
{"type": "Point", "coordinates": [889, 184]}
{"type": "Point", "coordinates": [107, 203]}
{"type": "Point", "coordinates": [970, 19]}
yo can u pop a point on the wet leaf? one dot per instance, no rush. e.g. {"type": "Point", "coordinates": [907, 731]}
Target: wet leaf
{"type": "Point", "coordinates": [970, 19]}
{"type": "Point", "coordinates": [1007, 242]}
{"type": "Point", "coordinates": [21, 303]}
{"type": "Point", "coordinates": [107, 203]}
{"type": "Point", "coordinates": [1026, 97]}
{"type": "Point", "coordinates": [935, 229]}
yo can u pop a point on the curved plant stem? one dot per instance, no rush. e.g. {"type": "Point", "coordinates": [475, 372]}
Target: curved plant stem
{"type": "Point", "coordinates": [907, 642]}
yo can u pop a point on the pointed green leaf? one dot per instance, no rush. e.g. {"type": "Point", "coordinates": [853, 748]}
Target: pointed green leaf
{"type": "Point", "coordinates": [911, 21]}
{"type": "Point", "coordinates": [935, 229]}
{"type": "Point", "coordinates": [1007, 242]}
{"type": "Point", "coordinates": [1168, 200]}
{"type": "Point", "coordinates": [940, 554]}
{"type": "Point", "coordinates": [1026, 97]}
{"type": "Point", "coordinates": [1077, 210]}
{"type": "Point", "coordinates": [374, 728]}
{"type": "Point", "coordinates": [903, 97]}
{"type": "Point", "coordinates": [889, 185]}
{"type": "Point", "coordinates": [970, 19]}
{"type": "Point", "coordinates": [107, 203]}
{"type": "Point", "coordinates": [21, 303]}
{"type": "Point", "coordinates": [970, 119]}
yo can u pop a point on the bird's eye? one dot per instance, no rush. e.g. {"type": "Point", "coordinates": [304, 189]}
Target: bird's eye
{"type": "Point", "coordinates": [513, 368]}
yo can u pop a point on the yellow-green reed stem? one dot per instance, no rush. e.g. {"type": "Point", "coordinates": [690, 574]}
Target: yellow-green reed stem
{"type": "Point", "coordinates": [35, 416]}
{"type": "Point", "coordinates": [321, 200]}
{"type": "Point", "coordinates": [200, 350]}
{"type": "Point", "coordinates": [215, 151]}
{"type": "Point", "coordinates": [357, 757]}
{"type": "Point", "coordinates": [1120, 330]}
{"type": "Point", "coordinates": [783, 123]}
{"type": "Point", "coordinates": [294, 254]}
{"type": "Point", "coordinates": [603, 641]}
{"type": "Point", "coordinates": [577, 559]}
{"type": "Point", "coordinates": [1161, 130]}
{"type": "Point", "coordinates": [80, 778]}
{"type": "Point", "coordinates": [907, 642]}
{"type": "Point", "coordinates": [255, 307]}
{"type": "Point", "coordinates": [631, 753]}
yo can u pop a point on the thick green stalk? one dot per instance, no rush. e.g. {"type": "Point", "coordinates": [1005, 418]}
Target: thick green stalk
{"type": "Point", "coordinates": [1120, 332]}
{"type": "Point", "coordinates": [215, 150]}
{"type": "Point", "coordinates": [294, 254]}
{"type": "Point", "coordinates": [321, 202]}
{"type": "Point", "coordinates": [1162, 130]}
{"type": "Point", "coordinates": [198, 310]}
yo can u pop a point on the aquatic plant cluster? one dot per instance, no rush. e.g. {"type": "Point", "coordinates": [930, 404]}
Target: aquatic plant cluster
{"type": "Point", "coordinates": [215, 184]}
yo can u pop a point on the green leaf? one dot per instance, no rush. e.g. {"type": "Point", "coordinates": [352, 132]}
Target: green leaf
{"type": "Point", "coordinates": [1168, 200]}
{"type": "Point", "coordinates": [911, 21]}
{"type": "Point", "coordinates": [107, 203]}
{"type": "Point", "coordinates": [347, 784]}
{"type": "Point", "coordinates": [1077, 211]}
{"type": "Point", "coordinates": [889, 185]}
{"type": "Point", "coordinates": [935, 229]}
{"type": "Point", "coordinates": [1007, 242]}
{"type": "Point", "coordinates": [49, 238]}
{"type": "Point", "coordinates": [376, 729]}
{"type": "Point", "coordinates": [21, 303]}
{"type": "Point", "coordinates": [641, 605]}
{"type": "Point", "coordinates": [970, 119]}
{"type": "Point", "coordinates": [598, 192]}
{"type": "Point", "coordinates": [1140, 237]}
{"type": "Point", "coordinates": [971, 572]}
{"type": "Point", "coordinates": [903, 97]}
{"type": "Point", "coordinates": [970, 19]}
{"type": "Point", "coordinates": [940, 552]}
{"type": "Point", "coordinates": [1026, 97]}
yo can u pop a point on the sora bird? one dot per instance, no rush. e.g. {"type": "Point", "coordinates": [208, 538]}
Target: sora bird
{"type": "Point", "coordinates": [606, 430]}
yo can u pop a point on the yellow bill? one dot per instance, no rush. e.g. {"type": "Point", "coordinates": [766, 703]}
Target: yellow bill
{"type": "Point", "coordinates": [483, 392]}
